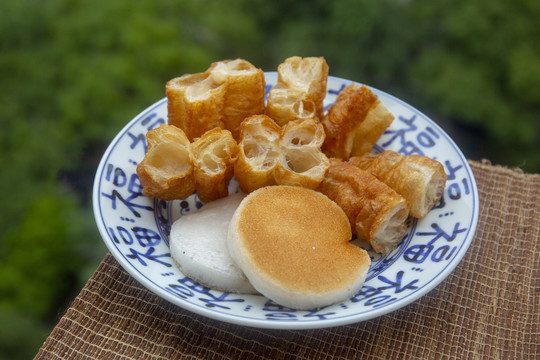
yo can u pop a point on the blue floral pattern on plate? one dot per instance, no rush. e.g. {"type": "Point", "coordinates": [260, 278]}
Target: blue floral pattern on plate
{"type": "Point", "coordinates": [136, 228]}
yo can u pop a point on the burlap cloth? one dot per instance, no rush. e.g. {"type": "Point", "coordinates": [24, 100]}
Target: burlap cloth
{"type": "Point", "coordinates": [487, 308]}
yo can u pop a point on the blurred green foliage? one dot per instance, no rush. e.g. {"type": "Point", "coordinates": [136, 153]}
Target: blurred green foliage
{"type": "Point", "coordinates": [73, 73]}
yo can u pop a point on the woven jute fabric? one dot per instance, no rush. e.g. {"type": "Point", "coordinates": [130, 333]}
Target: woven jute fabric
{"type": "Point", "coordinates": [488, 308]}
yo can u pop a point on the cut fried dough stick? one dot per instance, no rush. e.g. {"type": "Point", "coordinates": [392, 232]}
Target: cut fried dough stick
{"type": "Point", "coordinates": [302, 163]}
{"type": "Point", "coordinates": [302, 133]}
{"type": "Point", "coordinates": [419, 179]}
{"type": "Point", "coordinates": [222, 96]}
{"type": "Point", "coordinates": [166, 172]}
{"type": "Point", "coordinates": [300, 90]}
{"type": "Point", "coordinates": [374, 125]}
{"type": "Point", "coordinates": [258, 153]}
{"type": "Point", "coordinates": [301, 167]}
{"type": "Point", "coordinates": [245, 91]}
{"type": "Point", "coordinates": [270, 155]}
{"type": "Point", "coordinates": [354, 123]}
{"type": "Point", "coordinates": [309, 74]}
{"type": "Point", "coordinates": [375, 211]}
{"type": "Point", "coordinates": [214, 155]}
{"type": "Point", "coordinates": [195, 103]}
{"type": "Point", "coordinates": [344, 119]}
{"type": "Point", "coordinates": [286, 105]}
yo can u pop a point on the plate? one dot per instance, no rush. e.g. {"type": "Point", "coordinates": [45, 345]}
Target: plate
{"type": "Point", "coordinates": [135, 228]}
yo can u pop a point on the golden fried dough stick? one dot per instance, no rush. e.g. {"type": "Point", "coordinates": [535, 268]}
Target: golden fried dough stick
{"type": "Point", "coordinates": [309, 74]}
{"type": "Point", "coordinates": [258, 153]}
{"type": "Point", "coordinates": [374, 125]}
{"type": "Point", "coordinates": [245, 91]}
{"type": "Point", "coordinates": [300, 90]}
{"type": "Point", "coordinates": [376, 212]}
{"type": "Point", "coordinates": [302, 163]}
{"type": "Point", "coordinates": [286, 105]}
{"type": "Point", "coordinates": [344, 119]}
{"type": "Point", "coordinates": [195, 103]}
{"type": "Point", "coordinates": [354, 123]}
{"type": "Point", "coordinates": [166, 172]}
{"type": "Point", "coordinates": [270, 155]}
{"type": "Point", "coordinates": [302, 133]}
{"type": "Point", "coordinates": [222, 96]}
{"type": "Point", "coordinates": [214, 155]}
{"type": "Point", "coordinates": [419, 179]}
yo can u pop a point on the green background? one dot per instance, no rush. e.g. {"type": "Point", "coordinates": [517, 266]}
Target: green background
{"type": "Point", "coordinates": [73, 73]}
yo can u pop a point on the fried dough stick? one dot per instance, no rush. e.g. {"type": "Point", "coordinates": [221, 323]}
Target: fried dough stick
{"type": "Point", "coordinates": [222, 96]}
{"type": "Point", "coordinates": [166, 172]}
{"type": "Point", "coordinates": [258, 153]}
{"type": "Point", "coordinates": [195, 103]}
{"type": "Point", "coordinates": [245, 91]}
{"type": "Point", "coordinates": [419, 179]}
{"type": "Point", "coordinates": [214, 155]}
{"type": "Point", "coordinates": [376, 213]}
{"type": "Point", "coordinates": [300, 90]}
{"type": "Point", "coordinates": [354, 123]}
{"type": "Point", "coordinates": [270, 155]}
{"type": "Point", "coordinates": [302, 163]}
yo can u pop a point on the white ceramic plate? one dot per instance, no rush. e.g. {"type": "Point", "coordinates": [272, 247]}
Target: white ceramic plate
{"type": "Point", "coordinates": [135, 228]}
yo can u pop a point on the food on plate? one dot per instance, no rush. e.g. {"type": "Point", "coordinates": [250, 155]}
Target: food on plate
{"type": "Point", "coordinates": [198, 246]}
{"type": "Point", "coordinates": [173, 168]}
{"type": "Point", "coordinates": [195, 103]}
{"type": "Point", "coordinates": [311, 181]}
{"type": "Point", "coordinates": [302, 163]}
{"type": "Point", "coordinates": [166, 172]}
{"type": "Point", "coordinates": [293, 245]}
{"type": "Point", "coordinates": [270, 155]}
{"type": "Point", "coordinates": [222, 96]}
{"type": "Point", "coordinates": [354, 122]}
{"type": "Point", "coordinates": [245, 91]}
{"type": "Point", "coordinates": [286, 105]}
{"type": "Point", "coordinates": [376, 212]}
{"type": "Point", "coordinates": [300, 90]}
{"type": "Point", "coordinates": [419, 179]}
{"type": "Point", "coordinates": [214, 155]}
{"type": "Point", "coordinates": [258, 153]}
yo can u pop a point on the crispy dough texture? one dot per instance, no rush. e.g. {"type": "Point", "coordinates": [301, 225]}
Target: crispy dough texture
{"type": "Point", "coordinates": [173, 168]}
{"type": "Point", "coordinates": [214, 155]}
{"type": "Point", "coordinates": [195, 103]}
{"type": "Point", "coordinates": [375, 211]}
{"type": "Point", "coordinates": [222, 96]}
{"type": "Point", "coordinates": [166, 172]}
{"type": "Point", "coordinates": [286, 105]}
{"type": "Point", "coordinates": [270, 155]}
{"type": "Point", "coordinates": [245, 91]}
{"type": "Point", "coordinates": [419, 179]}
{"type": "Point", "coordinates": [302, 163]}
{"type": "Point", "coordinates": [258, 153]}
{"type": "Point", "coordinates": [293, 245]}
{"type": "Point", "coordinates": [300, 90]}
{"type": "Point", "coordinates": [354, 122]}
